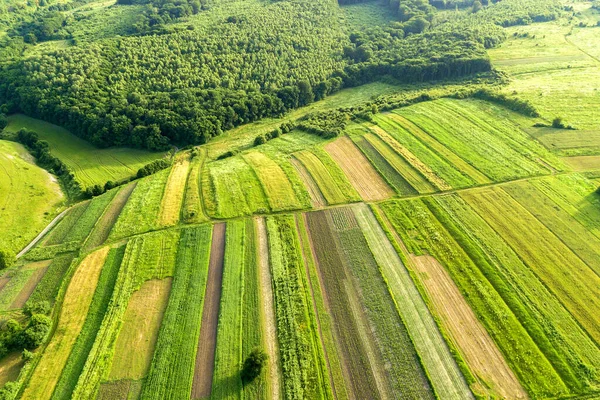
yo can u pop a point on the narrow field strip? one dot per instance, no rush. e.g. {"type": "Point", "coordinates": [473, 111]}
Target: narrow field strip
{"type": "Point", "coordinates": [561, 270]}
{"type": "Point", "coordinates": [385, 169]}
{"type": "Point", "coordinates": [316, 197]}
{"type": "Point", "coordinates": [268, 310]}
{"type": "Point", "coordinates": [58, 234]}
{"type": "Point", "coordinates": [18, 283]}
{"type": "Point", "coordinates": [193, 209]}
{"type": "Point", "coordinates": [446, 378]}
{"type": "Point", "coordinates": [172, 369]}
{"type": "Point", "coordinates": [139, 332]}
{"type": "Point", "coordinates": [205, 356]}
{"type": "Point", "coordinates": [90, 216]}
{"type": "Point", "coordinates": [358, 170]}
{"type": "Point", "coordinates": [48, 287]}
{"type": "Point", "coordinates": [76, 304]}
{"type": "Point", "coordinates": [28, 288]}
{"type": "Point", "coordinates": [106, 222]}
{"type": "Point", "coordinates": [477, 347]}
{"type": "Point", "coordinates": [278, 188]}
{"type": "Point", "coordinates": [440, 149]}
{"type": "Point", "coordinates": [170, 208]}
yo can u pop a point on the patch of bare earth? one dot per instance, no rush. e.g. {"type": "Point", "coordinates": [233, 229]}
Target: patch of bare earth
{"type": "Point", "coordinates": [476, 346]}
{"type": "Point", "coordinates": [359, 171]}
{"type": "Point", "coordinates": [205, 357]}
{"type": "Point", "coordinates": [268, 309]}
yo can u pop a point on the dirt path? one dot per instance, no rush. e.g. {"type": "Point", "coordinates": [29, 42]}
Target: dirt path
{"type": "Point", "coordinates": [477, 347]}
{"type": "Point", "coordinates": [205, 357]}
{"type": "Point", "coordinates": [316, 197]}
{"type": "Point", "coordinates": [268, 310]}
{"type": "Point", "coordinates": [32, 282]}
{"type": "Point", "coordinates": [42, 233]}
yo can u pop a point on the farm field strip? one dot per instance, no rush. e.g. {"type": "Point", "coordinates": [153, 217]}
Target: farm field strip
{"type": "Point", "coordinates": [137, 337]}
{"type": "Point", "coordinates": [85, 339]}
{"type": "Point", "coordinates": [443, 371]}
{"type": "Point", "coordinates": [226, 380]}
{"type": "Point", "coordinates": [476, 346]}
{"type": "Point", "coordinates": [440, 149]}
{"type": "Point", "coordinates": [106, 222]}
{"type": "Point", "coordinates": [301, 355]}
{"type": "Point", "coordinates": [207, 341]}
{"type": "Point", "coordinates": [86, 222]}
{"type": "Point", "coordinates": [571, 142]}
{"type": "Point", "coordinates": [19, 282]}
{"type": "Point", "coordinates": [432, 167]}
{"type": "Point", "coordinates": [358, 170]}
{"type": "Point", "coordinates": [48, 287]}
{"type": "Point", "coordinates": [385, 169]}
{"type": "Point", "coordinates": [77, 301]}
{"type": "Point", "coordinates": [414, 176]}
{"type": "Point", "coordinates": [584, 244]}
{"type": "Point", "coordinates": [316, 197]}
{"type": "Point", "coordinates": [583, 163]}
{"type": "Point", "coordinates": [171, 371]}
{"type": "Point", "coordinates": [557, 334]}
{"type": "Point", "coordinates": [59, 233]}
{"type": "Point", "coordinates": [146, 196]}
{"type": "Point", "coordinates": [27, 290]}
{"type": "Point", "coordinates": [231, 189]}
{"type": "Point", "coordinates": [193, 209]}
{"type": "Point", "coordinates": [280, 193]}
{"type": "Point", "coordinates": [268, 309]}
{"type": "Point", "coordinates": [543, 252]}
{"type": "Point", "coordinates": [170, 208]}
{"type": "Point", "coordinates": [369, 295]}
{"type": "Point", "coordinates": [352, 352]}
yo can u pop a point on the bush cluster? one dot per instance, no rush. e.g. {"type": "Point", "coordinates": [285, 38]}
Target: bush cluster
{"type": "Point", "coordinates": [14, 336]}
{"type": "Point", "coordinates": [284, 128]}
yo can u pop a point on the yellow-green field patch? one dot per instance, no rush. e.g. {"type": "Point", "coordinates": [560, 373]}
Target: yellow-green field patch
{"type": "Point", "coordinates": [170, 208]}
{"type": "Point", "coordinates": [583, 163]}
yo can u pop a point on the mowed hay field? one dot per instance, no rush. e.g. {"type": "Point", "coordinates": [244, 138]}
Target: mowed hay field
{"type": "Point", "coordinates": [30, 198]}
{"type": "Point", "coordinates": [90, 165]}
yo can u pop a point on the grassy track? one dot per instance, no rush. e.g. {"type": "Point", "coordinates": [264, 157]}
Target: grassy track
{"type": "Point", "coordinates": [85, 339]}
{"type": "Point", "coordinates": [30, 197]}
{"type": "Point", "coordinates": [302, 363]}
{"type": "Point", "coordinates": [172, 368]}
{"type": "Point", "coordinates": [227, 382]}
{"type": "Point", "coordinates": [562, 340]}
{"type": "Point", "coordinates": [146, 196]}
{"type": "Point", "coordinates": [90, 165]}
{"type": "Point", "coordinates": [445, 375]}
{"type": "Point", "coordinates": [170, 208]}
{"type": "Point", "coordinates": [76, 304]}
{"type": "Point", "coordinates": [193, 210]}
{"type": "Point", "coordinates": [544, 253]}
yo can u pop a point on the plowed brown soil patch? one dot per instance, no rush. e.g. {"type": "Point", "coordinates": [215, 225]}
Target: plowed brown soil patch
{"type": "Point", "coordinates": [476, 346]}
{"type": "Point", "coordinates": [205, 357]}
{"type": "Point", "coordinates": [359, 171]}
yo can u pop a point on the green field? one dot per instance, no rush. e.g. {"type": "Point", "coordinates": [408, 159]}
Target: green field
{"type": "Point", "coordinates": [90, 164]}
{"type": "Point", "coordinates": [30, 198]}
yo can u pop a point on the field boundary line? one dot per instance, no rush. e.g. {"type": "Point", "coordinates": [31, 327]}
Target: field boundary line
{"type": "Point", "coordinates": [42, 233]}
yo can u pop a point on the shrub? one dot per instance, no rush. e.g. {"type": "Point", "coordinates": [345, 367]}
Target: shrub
{"type": "Point", "coordinates": [153, 167]}
{"type": "Point", "coordinates": [7, 259]}
{"type": "Point", "coordinates": [253, 365]}
{"type": "Point", "coordinates": [260, 139]}
{"type": "Point", "coordinates": [227, 154]}
{"type": "Point", "coordinates": [35, 333]}
{"type": "Point", "coordinates": [36, 307]}
{"type": "Point", "coordinates": [3, 121]}
{"type": "Point", "coordinates": [558, 123]}
{"type": "Point", "coordinates": [27, 355]}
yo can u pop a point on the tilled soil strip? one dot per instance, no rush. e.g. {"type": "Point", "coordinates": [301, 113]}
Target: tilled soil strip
{"type": "Point", "coordinates": [205, 357]}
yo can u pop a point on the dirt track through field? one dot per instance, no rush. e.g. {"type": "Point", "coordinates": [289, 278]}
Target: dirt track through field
{"type": "Point", "coordinates": [477, 347]}
{"type": "Point", "coordinates": [29, 287]}
{"type": "Point", "coordinates": [316, 197]}
{"type": "Point", "coordinates": [268, 309]}
{"type": "Point", "coordinates": [359, 171]}
{"type": "Point", "coordinates": [205, 357]}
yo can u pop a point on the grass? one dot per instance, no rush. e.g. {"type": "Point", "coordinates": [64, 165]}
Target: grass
{"type": "Point", "coordinates": [423, 233]}
{"type": "Point", "coordinates": [170, 209]}
{"type": "Point", "coordinates": [85, 339]}
{"type": "Point", "coordinates": [59, 233]}
{"type": "Point", "coordinates": [329, 178]}
{"type": "Point", "coordinates": [227, 382]}
{"type": "Point", "coordinates": [30, 197]}
{"type": "Point", "coordinates": [75, 307]}
{"type": "Point", "coordinates": [86, 222]}
{"type": "Point", "coordinates": [280, 192]}
{"type": "Point", "coordinates": [172, 369]}
{"type": "Point", "coordinates": [146, 196]}
{"type": "Point", "coordinates": [556, 333]}
{"type": "Point", "coordinates": [302, 363]}
{"type": "Point", "coordinates": [49, 286]}
{"type": "Point", "coordinates": [443, 372]}
{"type": "Point", "coordinates": [544, 253]}
{"type": "Point", "coordinates": [16, 282]}
{"type": "Point", "coordinates": [570, 142]}
{"type": "Point", "coordinates": [91, 166]}
{"type": "Point", "coordinates": [193, 210]}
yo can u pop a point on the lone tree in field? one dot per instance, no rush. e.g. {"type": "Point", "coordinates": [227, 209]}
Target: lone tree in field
{"type": "Point", "coordinates": [7, 259]}
{"type": "Point", "coordinates": [253, 365]}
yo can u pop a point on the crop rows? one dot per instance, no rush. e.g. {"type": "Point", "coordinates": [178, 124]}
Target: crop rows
{"type": "Point", "coordinates": [66, 225]}
{"type": "Point", "coordinates": [556, 333]}
{"type": "Point", "coordinates": [301, 357]}
{"type": "Point", "coordinates": [146, 196]}
{"type": "Point", "coordinates": [49, 286]}
{"type": "Point", "coordinates": [90, 216]}
{"type": "Point", "coordinates": [193, 210]}
{"type": "Point", "coordinates": [172, 368]}
{"type": "Point", "coordinates": [172, 200]}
